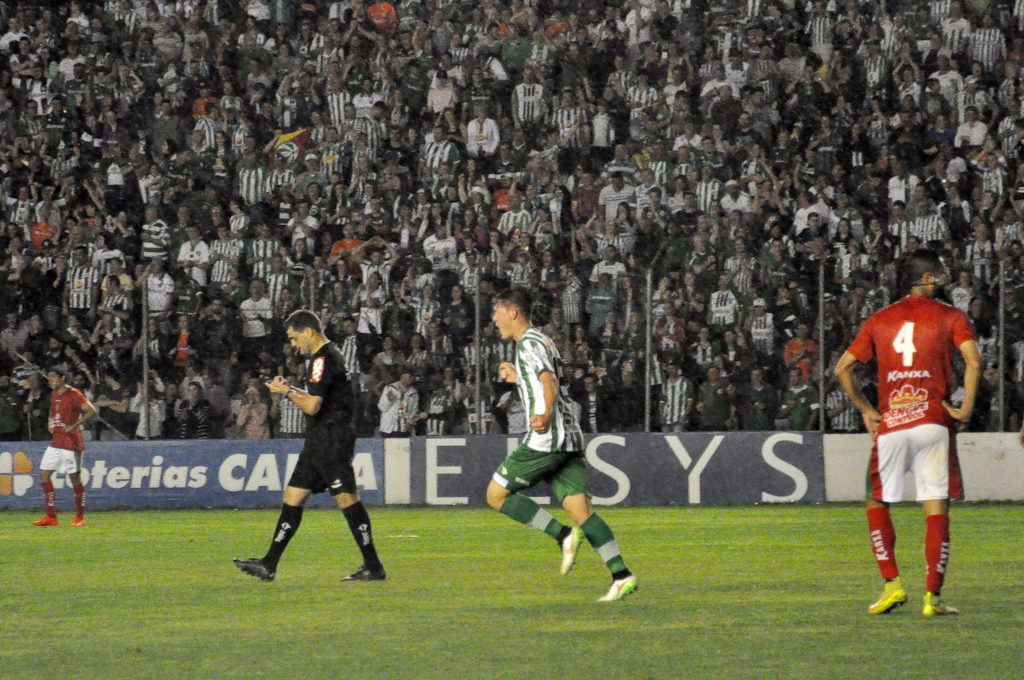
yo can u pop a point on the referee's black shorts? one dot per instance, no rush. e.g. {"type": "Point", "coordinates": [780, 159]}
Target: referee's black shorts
{"type": "Point", "coordinates": [325, 463]}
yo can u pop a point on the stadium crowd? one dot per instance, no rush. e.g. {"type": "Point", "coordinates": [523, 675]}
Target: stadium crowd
{"type": "Point", "coordinates": [205, 168]}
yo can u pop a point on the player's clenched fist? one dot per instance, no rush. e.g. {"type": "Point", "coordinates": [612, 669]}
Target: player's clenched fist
{"type": "Point", "coordinates": [539, 423]}
{"type": "Point", "coordinates": [507, 372]}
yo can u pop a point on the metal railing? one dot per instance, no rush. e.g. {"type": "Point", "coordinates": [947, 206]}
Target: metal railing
{"type": "Point", "coordinates": [1001, 390]}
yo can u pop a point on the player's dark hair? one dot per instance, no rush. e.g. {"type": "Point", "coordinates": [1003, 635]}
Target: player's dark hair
{"type": "Point", "coordinates": [60, 370]}
{"type": "Point", "coordinates": [301, 319]}
{"type": "Point", "coordinates": [924, 261]}
{"type": "Point", "coordinates": [519, 298]}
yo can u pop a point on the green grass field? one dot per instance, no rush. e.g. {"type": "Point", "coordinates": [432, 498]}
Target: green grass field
{"type": "Point", "coordinates": [767, 592]}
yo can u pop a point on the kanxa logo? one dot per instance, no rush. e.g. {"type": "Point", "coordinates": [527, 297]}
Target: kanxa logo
{"type": "Point", "coordinates": [15, 473]}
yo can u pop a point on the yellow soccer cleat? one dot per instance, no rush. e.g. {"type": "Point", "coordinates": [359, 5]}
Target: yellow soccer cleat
{"type": "Point", "coordinates": [892, 597]}
{"type": "Point", "coordinates": [934, 606]}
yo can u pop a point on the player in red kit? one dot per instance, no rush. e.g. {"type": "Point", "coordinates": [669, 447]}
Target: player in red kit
{"type": "Point", "coordinates": [68, 410]}
{"type": "Point", "coordinates": [914, 427]}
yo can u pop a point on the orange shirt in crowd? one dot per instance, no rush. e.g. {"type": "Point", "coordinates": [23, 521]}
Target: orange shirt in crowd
{"type": "Point", "coordinates": [199, 106]}
{"type": "Point", "coordinates": [383, 17]}
{"type": "Point", "coordinates": [41, 231]}
{"type": "Point", "coordinates": [793, 349]}
{"type": "Point", "coordinates": [341, 249]}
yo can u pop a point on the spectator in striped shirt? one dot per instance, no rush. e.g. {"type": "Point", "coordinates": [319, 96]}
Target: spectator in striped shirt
{"type": "Point", "coordinates": [83, 285]}
{"type": "Point", "coordinates": [156, 235]}
{"type": "Point", "coordinates": [289, 421]}
{"type": "Point", "coordinates": [194, 421]}
{"type": "Point", "coordinates": [843, 416]}
{"type": "Point", "coordinates": [677, 398]}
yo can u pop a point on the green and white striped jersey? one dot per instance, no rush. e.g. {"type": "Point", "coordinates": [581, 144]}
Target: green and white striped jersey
{"type": "Point", "coordinates": [537, 354]}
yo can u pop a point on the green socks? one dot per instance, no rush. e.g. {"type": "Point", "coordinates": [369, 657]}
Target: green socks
{"type": "Point", "coordinates": [600, 536]}
{"type": "Point", "coordinates": [525, 511]}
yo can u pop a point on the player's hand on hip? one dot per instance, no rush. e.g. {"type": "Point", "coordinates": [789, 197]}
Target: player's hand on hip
{"type": "Point", "coordinates": [507, 372]}
{"type": "Point", "coordinates": [871, 419]}
{"type": "Point", "coordinates": [539, 424]}
{"type": "Point", "coordinates": [957, 414]}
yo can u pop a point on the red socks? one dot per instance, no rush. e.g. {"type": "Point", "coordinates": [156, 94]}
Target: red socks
{"type": "Point", "coordinates": [883, 542]}
{"type": "Point", "coordinates": [936, 550]}
{"type": "Point", "coordinates": [50, 499]}
{"type": "Point", "coordinates": [79, 499]}
{"type": "Point", "coordinates": [936, 546]}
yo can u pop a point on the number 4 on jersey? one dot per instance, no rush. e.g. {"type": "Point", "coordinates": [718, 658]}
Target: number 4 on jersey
{"type": "Point", "coordinates": [904, 343]}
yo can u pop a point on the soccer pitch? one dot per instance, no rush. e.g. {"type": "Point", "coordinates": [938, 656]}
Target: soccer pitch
{"type": "Point", "coordinates": [765, 592]}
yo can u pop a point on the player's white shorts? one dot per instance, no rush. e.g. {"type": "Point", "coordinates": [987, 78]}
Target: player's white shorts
{"type": "Point", "coordinates": [929, 451]}
{"type": "Point", "coordinates": [59, 460]}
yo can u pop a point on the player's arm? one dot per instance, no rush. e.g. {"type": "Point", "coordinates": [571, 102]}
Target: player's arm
{"type": "Point", "coordinates": [87, 413]}
{"type": "Point", "coordinates": [540, 422]}
{"type": "Point", "coordinates": [309, 404]}
{"type": "Point", "coordinates": [972, 371]}
{"type": "Point", "coordinates": [844, 373]}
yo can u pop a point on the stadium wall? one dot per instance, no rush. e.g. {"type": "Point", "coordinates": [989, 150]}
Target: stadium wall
{"type": "Point", "coordinates": [698, 468]}
{"type": "Point", "coordinates": [992, 465]}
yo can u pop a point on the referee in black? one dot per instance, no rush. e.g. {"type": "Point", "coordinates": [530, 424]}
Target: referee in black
{"type": "Point", "coordinates": [325, 463]}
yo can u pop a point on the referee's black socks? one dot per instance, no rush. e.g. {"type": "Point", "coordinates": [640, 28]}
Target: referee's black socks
{"type": "Point", "coordinates": [287, 525]}
{"type": "Point", "coordinates": [359, 525]}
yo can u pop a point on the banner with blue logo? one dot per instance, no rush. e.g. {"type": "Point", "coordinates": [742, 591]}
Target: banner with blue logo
{"type": "Point", "coordinates": [239, 473]}
{"type": "Point", "coordinates": [693, 468]}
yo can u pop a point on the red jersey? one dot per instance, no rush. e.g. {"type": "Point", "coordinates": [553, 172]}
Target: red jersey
{"type": "Point", "coordinates": [66, 408]}
{"type": "Point", "coordinates": [913, 340]}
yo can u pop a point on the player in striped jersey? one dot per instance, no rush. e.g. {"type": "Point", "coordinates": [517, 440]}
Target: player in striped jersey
{"type": "Point", "coordinates": [552, 450]}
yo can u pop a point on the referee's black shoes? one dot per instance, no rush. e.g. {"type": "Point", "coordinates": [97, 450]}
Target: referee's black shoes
{"type": "Point", "coordinates": [255, 567]}
{"type": "Point", "coordinates": [365, 573]}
